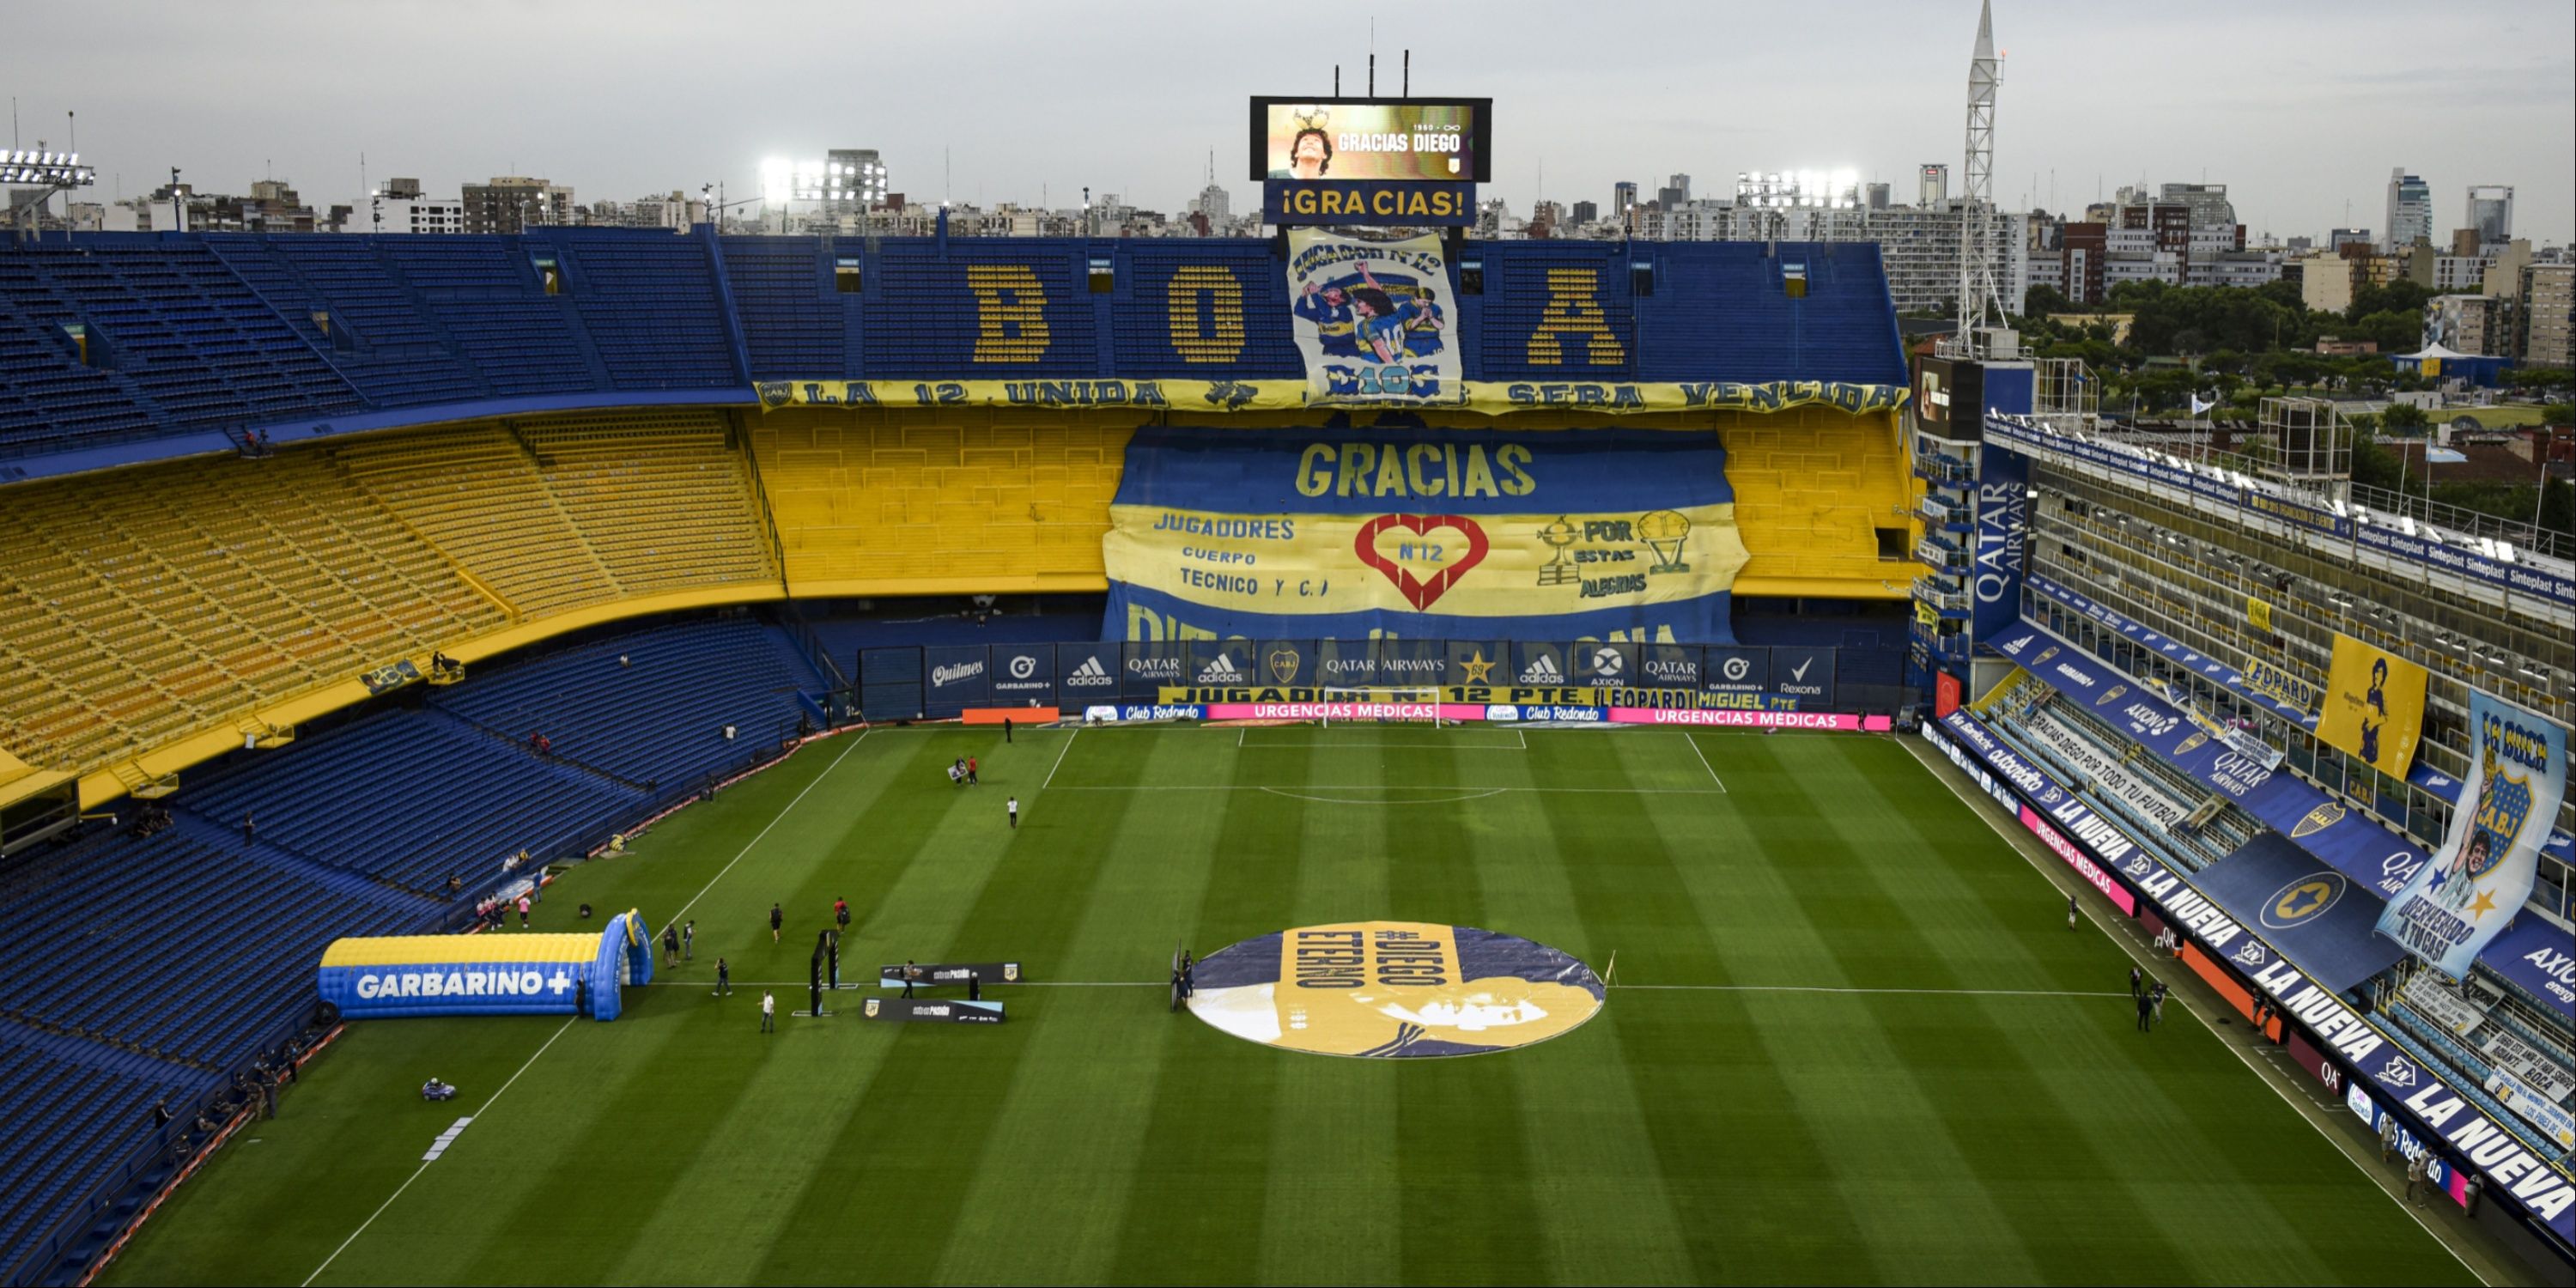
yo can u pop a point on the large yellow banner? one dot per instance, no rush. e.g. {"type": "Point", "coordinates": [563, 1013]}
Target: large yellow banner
{"type": "Point", "coordinates": [1479, 565]}
{"type": "Point", "coordinates": [2374, 707]}
{"type": "Point", "coordinates": [1616, 396]}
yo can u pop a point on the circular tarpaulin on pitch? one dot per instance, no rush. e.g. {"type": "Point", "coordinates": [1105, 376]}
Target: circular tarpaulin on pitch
{"type": "Point", "coordinates": [1394, 989]}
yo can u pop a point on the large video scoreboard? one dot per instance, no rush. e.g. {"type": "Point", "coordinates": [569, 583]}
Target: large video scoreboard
{"type": "Point", "coordinates": [1399, 162]}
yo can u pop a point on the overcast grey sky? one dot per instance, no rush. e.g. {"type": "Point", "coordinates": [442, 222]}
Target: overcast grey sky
{"type": "Point", "coordinates": [2298, 105]}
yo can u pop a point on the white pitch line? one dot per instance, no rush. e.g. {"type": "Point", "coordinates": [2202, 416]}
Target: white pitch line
{"type": "Point", "coordinates": [1812, 988]}
{"type": "Point", "coordinates": [849, 988]}
{"type": "Point", "coordinates": [1471, 794]}
{"type": "Point", "coordinates": [1059, 757]}
{"type": "Point", "coordinates": [398, 1192]}
{"type": "Point", "coordinates": [1394, 787]}
{"type": "Point", "coordinates": [2128, 946]}
{"type": "Point", "coordinates": [549, 1043]}
{"type": "Point", "coordinates": [774, 822]}
{"type": "Point", "coordinates": [1703, 760]}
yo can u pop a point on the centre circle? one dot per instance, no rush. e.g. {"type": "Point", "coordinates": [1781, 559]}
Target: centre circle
{"type": "Point", "coordinates": [1394, 990]}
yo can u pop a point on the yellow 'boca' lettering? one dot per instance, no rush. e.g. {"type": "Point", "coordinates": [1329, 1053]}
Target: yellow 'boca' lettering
{"type": "Point", "coordinates": [1010, 313]}
{"type": "Point", "coordinates": [1574, 309]}
{"type": "Point", "coordinates": [1222, 339]}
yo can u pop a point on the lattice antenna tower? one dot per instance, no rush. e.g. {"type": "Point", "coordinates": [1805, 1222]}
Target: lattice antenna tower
{"type": "Point", "coordinates": [1980, 296]}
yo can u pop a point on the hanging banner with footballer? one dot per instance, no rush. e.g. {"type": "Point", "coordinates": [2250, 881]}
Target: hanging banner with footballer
{"type": "Point", "coordinates": [1373, 320]}
{"type": "Point", "coordinates": [2474, 886]}
{"type": "Point", "coordinates": [1599, 535]}
{"type": "Point", "coordinates": [2374, 706]}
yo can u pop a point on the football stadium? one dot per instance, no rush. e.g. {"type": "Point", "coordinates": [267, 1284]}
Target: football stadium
{"type": "Point", "coordinates": [1361, 755]}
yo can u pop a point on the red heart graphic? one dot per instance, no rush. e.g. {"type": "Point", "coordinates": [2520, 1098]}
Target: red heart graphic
{"type": "Point", "coordinates": [1416, 591]}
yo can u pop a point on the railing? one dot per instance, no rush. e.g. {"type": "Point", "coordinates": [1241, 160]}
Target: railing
{"type": "Point", "coordinates": [1953, 600]}
{"type": "Point", "coordinates": [2467, 522]}
{"type": "Point", "coordinates": [1948, 558]}
{"type": "Point", "coordinates": [1938, 511]}
{"type": "Point", "coordinates": [142, 1147]}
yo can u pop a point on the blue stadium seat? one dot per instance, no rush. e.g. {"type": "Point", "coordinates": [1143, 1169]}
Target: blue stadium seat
{"type": "Point", "coordinates": [658, 717]}
{"type": "Point", "coordinates": [379, 797]}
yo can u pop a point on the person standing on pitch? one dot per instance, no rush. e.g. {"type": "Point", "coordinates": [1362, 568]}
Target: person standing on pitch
{"type": "Point", "coordinates": [670, 945]}
{"type": "Point", "coordinates": [689, 942]}
{"type": "Point", "coordinates": [1015, 813]}
{"type": "Point", "coordinates": [777, 918]}
{"type": "Point", "coordinates": [724, 979]}
{"type": "Point", "coordinates": [911, 973]}
{"type": "Point", "coordinates": [769, 1012]}
{"type": "Point", "coordinates": [971, 770]}
{"type": "Point", "coordinates": [523, 912]}
{"type": "Point", "coordinates": [2157, 1011]}
{"type": "Point", "coordinates": [841, 913]}
{"type": "Point", "coordinates": [1006, 730]}
{"type": "Point", "coordinates": [2137, 981]}
{"type": "Point", "coordinates": [2070, 912]}
{"type": "Point", "coordinates": [2146, 1009]}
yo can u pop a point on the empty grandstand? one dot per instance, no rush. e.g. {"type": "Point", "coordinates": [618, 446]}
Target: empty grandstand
{"type": "Point", "coordinates": [336, 573]}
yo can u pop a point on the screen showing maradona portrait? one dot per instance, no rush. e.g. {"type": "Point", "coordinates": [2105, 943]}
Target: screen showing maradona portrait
{"type": "Point", "coordinates": [1371, 138]}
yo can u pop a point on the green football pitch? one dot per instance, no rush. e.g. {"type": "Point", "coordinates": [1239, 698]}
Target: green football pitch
{"type": "Point", "coordinates": [1850, 1039]}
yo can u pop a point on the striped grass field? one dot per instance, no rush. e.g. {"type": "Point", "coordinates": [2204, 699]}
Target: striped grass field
{"type": "Point", "coordinates": [1851, 1041]}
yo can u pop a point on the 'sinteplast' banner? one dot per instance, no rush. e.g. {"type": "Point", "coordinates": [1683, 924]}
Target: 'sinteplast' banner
{"type": "Point", "coordinates": [2476, 883]}
{"type": "Point", "coordinates": [1611, 535]}
{"type": "Point", "coordinates": [1372, 319]}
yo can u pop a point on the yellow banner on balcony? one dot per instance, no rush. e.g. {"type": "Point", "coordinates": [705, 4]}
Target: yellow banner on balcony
{"type": "Point", "coordinates": [2374, 706]}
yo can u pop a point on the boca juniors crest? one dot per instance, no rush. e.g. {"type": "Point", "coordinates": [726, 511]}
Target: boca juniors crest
{"type": "Point", "coordinates": [1374, 320]}
{"type": "Point", "coordinates": [2475, 885]}
{"type": "Point", "coordinates": [1394, 990]}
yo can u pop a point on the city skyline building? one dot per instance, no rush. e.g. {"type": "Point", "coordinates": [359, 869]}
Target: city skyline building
{"type": "Point", "coordinates": [2410, 211]}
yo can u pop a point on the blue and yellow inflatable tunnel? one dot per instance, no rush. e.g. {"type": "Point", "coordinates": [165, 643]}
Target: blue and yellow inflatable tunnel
{"type": "Point", "coordinates": [488, 974]}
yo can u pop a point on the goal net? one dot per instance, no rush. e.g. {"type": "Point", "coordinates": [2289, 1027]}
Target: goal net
{"type": "Point", "coordinates": [1382, 706]}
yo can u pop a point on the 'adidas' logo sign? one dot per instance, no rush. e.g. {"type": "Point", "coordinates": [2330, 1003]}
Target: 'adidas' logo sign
{"type": "Point", "coordinates": [1091, 674]}
{"type": "Point", "coordinates": [1220, 671]}
{"type": "Point", "coordinates": [1542, 671]}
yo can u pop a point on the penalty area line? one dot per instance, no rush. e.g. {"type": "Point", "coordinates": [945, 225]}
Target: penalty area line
{"type": "Point", "coordinates": [1703, 760]}
{"type": "Point", "coordinates": [1059, 757]}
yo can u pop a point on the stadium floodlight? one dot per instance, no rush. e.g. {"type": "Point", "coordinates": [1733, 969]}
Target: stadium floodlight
{"type": "Point", "coordinates": [31, 168]}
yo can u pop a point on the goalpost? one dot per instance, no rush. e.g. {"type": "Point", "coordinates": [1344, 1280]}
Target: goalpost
{"type": "Point", "coordinates": [1419, 705]}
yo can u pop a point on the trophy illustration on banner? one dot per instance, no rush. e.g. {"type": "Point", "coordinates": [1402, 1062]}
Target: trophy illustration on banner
{"type": "Point", "coordinates": [1558, 571]}
{"type": "Point", "coordinates": [1663, 531]}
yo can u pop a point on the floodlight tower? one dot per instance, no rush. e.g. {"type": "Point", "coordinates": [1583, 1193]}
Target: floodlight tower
{"type": "Point", "coordinates": [1978, 289]}
{"type": "Point", "coordinates": [37, 168]}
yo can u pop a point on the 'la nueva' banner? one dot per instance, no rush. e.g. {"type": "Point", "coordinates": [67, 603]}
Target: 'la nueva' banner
{"type": "Point", "coordinates": [1602, 535]}
{"type": "Point", "coordinates": [2475, 885]}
